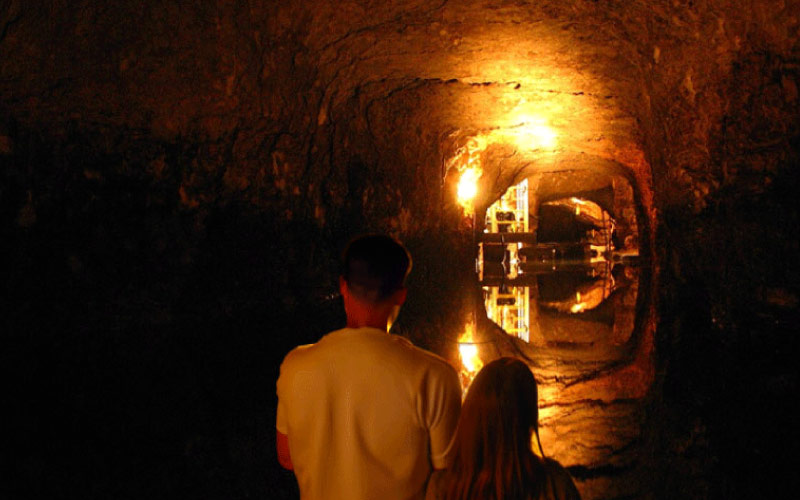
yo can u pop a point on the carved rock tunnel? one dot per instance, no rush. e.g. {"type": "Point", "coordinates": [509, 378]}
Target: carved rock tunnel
{"type": "Point", "coordinates": [176, 181]}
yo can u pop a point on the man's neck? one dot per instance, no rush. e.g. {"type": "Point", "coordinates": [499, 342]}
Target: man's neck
{"type": "Point", "coordinates": [361, 316]}
{"type": "Point", "coordinates": [358, 324]}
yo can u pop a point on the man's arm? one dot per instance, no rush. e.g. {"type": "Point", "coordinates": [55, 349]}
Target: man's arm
{"type": "Point", "coordinates": [281, 423]}
{"type": "Point", "coordinates": [282, 444]}
{"type": "Point", "coordinates": [444, 408]}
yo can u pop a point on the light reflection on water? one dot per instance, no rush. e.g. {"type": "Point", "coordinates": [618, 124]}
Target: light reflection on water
{"type": "Point", "coordinates": [579, 312]}
{"type": "Point", "coordinates": [570, 305]}
{"type": "Point", "coordinates": [577, 327]}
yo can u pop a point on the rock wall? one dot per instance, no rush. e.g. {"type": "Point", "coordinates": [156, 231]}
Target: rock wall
{"type": "Point", "coordinates": [176, 179]}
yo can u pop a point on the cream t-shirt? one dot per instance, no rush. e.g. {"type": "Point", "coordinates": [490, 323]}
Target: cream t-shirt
{"type": "Point", "coordinates": [368, 415]}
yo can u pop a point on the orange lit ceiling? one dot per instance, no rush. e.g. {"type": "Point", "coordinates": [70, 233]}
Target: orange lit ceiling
{"type": "Point", "coordinates": [488, 69]}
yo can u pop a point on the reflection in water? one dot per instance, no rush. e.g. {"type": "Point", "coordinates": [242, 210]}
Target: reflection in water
{"type": "Point", "coordinates": [561, 275]}
{"type": "Point", "coordinates": [580, 304]}
{"type": "Point", "coordinates": [509, 307]}
{"type": "Point", "coordinates": [471, 362]}
{"type": "Point", "coordinates": [572, 265]}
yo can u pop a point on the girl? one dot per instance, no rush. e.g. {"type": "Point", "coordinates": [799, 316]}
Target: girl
{"type": "Point", "coordinates": [492, 445]}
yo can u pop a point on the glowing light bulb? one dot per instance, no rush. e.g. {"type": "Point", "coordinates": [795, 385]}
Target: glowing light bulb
{"type": "Point", "coordinates": [468, 188]}
{"type": "Point", "coordinates": [468, 185]}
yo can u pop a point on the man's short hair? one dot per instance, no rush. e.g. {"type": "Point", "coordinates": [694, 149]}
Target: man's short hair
{"type": "Point", "coordinates": [375, 266]}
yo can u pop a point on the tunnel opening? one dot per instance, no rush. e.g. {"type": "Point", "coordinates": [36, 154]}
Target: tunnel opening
{"type": "Point", "coordinates": [562, 282]}
{"type": "Point", "coordinates": [578, 288]}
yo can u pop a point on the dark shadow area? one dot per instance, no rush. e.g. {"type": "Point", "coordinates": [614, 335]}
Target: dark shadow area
{"type": "Point", "coordinates": [142, 337]}
{"type": "Point", "coordinates": [730, 346]}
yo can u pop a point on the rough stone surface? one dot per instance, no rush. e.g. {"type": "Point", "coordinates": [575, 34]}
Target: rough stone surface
{"type": "Point", "coordinates": [177, 177]}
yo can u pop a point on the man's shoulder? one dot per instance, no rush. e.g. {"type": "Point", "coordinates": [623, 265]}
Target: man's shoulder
{"type": "Point", "coordinates": [350, 344]}
{"type": "Point", "coordinates": [305, 350]}
{"type": "Point", "coordinates": [300, 355]}
{"type": "Point", "coordinates": [303, 360]}
{"type": "Point", "coordinates": [423, 355]}
{"type": "Point", "coordinates": [432, 370]}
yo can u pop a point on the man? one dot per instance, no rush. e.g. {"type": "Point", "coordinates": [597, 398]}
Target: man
{"type": "Point", "coordinates": [363, 414]}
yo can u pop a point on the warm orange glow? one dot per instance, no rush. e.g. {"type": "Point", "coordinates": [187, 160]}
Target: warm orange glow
{"type": "Point", "coordinates": [528, 133]}
{"type": "Point", "coordinates": [593, 296]}
{"type": "Point", "coordinates": [468, 188]}
{"type": "Point", "coordinates": [471, 362]}
{"type": "Point", "coordinates": [586, 208]}
{"type": "Point", "coordinates": [468, 162]}
{"type": "Point", "coordinates": [543, 135]}
{"type": "Point", "coordinates": [533, 132]}
{"type": "Point", "coordinates": [536, 137]}
{"type": "Point", "coordinates": [588, 298]}
{"type": "Point", "coordinates": [509, 308]}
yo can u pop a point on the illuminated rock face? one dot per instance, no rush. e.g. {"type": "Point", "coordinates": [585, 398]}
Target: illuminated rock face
{"type": "Point", "coordinates": [176, 181]}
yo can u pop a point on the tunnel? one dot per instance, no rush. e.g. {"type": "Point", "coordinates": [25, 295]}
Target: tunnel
{"type": "Point", "coordinates": [604, 189]}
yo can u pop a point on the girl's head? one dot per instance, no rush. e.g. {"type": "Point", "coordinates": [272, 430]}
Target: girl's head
{"type": "Point", "coordinates": [501, 408]}
{"type": "Point", "coordinates": [493, 458]}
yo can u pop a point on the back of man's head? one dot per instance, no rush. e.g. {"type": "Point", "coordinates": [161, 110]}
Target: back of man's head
{"type": "Point", "coordinates": [374, 267]}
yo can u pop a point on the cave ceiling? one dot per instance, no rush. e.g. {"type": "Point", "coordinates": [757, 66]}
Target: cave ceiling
{"type": "Point", "coordinates": [496, 68]}
{"type": "Point", "coordinates": [494, 64]}
{"type": "Point", "coordinates": [613, 82]}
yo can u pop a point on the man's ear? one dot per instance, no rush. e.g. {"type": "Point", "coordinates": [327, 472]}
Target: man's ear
{"type": "Point", "coordinates": [342, 286]}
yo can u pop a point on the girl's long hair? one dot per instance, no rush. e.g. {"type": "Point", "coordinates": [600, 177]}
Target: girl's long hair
{"type": "Point", "coordinates": [492, 447]}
